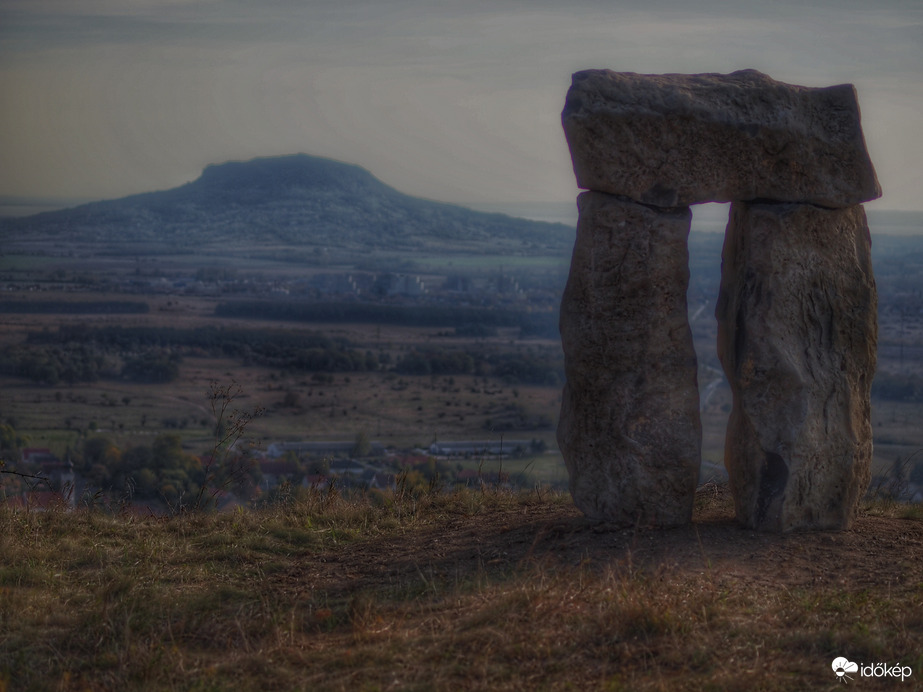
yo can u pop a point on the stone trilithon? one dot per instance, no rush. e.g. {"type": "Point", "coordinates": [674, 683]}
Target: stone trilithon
{"type": "Point", "coordinates": [796, 312]}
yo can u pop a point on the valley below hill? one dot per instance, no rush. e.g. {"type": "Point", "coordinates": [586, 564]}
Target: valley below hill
{"type": "Point", "coordinates": [344, 309]}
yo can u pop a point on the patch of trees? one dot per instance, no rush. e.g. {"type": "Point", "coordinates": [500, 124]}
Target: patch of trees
{"type": "Point", "coordinates": [74, 362]}
{"type": "Point", "coordinates": [154, 366]}
{"type": "Point", "coordinates": [540, 324]}
{"type": "Point", "coordinates": [162, 471]}
{"type": "Point", "coordinates": [62, 307]}
{"type": "Point", "coordinates": [215, 274]}
{"type": "Point", "coordinates": [890, 387]}
{"type": "Point", "coordinates": [318, 360]}
{"type": "Point", "coordinates": [210, 339]}
{"type": "Point", "coordinates": [475, 330]}
{"type": "Point", "coordinates": [466, 318]}
{"type": "Point", "coordinates": [515, 368]}
{"type": "Point", "coordinates": [151, 354]}
{"type": "Point", "coordinates": [512, 368]}
{"type": "Point", "coordinates": [436, 362]}
{"type": "Point", "coordinates": [10, 440]}
{"type": "Point", "coordinates": [69, 363]}
{"type": "Point", "coordinates": [10, 443]}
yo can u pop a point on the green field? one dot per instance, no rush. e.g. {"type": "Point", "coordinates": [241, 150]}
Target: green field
{"type": "Point", "coordinates": [398, 410]}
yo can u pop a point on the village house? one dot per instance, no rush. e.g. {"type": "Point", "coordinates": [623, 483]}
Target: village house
{"type": "Point", "coordinates": [472, 448]}
{"type": "Point", "coordinates": [276, 471]}
{"type": "Point", "coordinates": [335, 448]}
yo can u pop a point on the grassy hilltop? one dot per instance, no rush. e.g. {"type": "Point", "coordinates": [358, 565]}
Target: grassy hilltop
{"type": "Point", "coordinates": [477, 589]}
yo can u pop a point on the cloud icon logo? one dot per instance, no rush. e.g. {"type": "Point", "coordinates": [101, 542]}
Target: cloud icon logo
{"type": "Point", "coordinates": [841, 666]}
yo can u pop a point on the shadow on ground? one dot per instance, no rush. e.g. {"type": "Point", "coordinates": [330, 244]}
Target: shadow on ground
{"type": "Point", "coordinates": [500, 541]}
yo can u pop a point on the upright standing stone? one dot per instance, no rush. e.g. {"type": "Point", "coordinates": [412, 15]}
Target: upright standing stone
{"type": "Point", "coordinates": [681, 139]}
{"type": "Point", "coordinates": [629, 428]}
{"type": "Point", "coordinates": [797, 337]}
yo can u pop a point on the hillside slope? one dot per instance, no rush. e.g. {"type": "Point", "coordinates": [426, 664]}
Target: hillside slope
{"type": "Point", "coordinates": [297, 201]}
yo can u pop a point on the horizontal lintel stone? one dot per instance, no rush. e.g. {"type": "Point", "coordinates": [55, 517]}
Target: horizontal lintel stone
{"type": "Point", "coordinates": [673, 140]}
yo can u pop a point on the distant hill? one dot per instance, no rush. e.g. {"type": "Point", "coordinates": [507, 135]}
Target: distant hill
{"type": "Point", "coordinates": [293, 201]}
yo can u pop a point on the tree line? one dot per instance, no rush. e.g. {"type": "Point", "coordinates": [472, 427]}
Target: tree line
{"type": "Point", "coordinates": [153, 355]}
{"type": "Point", "coordinates": [461, 317]}
{"type": "Point", "coordinates": [890, 387]}
{"type": "Point", "coordinates": [512, 368]}
{"type": "Point", "coordinates": [77, 307]}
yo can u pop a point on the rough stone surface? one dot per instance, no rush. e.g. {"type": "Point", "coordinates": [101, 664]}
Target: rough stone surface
{"type": "Point", "coordinates": [797, 336]}
{"type": "Point", "coordinates": [629, 428]}
{"type": "Point", "coordinates": [676, 140]}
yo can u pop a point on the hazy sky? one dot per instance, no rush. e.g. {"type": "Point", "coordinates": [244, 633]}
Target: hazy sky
{"type": "Point", "coordinates": [458, 101]}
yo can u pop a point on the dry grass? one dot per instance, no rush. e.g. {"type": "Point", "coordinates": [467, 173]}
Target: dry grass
{"type": "Point", "coordinates": [472, 590]}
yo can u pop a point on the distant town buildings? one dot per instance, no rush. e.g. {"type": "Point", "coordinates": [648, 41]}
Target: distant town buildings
{"type": "Point", "coordinates": [470, 448]}
{"type": "Point", "coordinates": [52, 482]}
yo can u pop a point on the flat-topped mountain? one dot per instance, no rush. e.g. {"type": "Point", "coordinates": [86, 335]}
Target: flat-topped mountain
{"type": "Point", "coordinates": [297, 201]}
